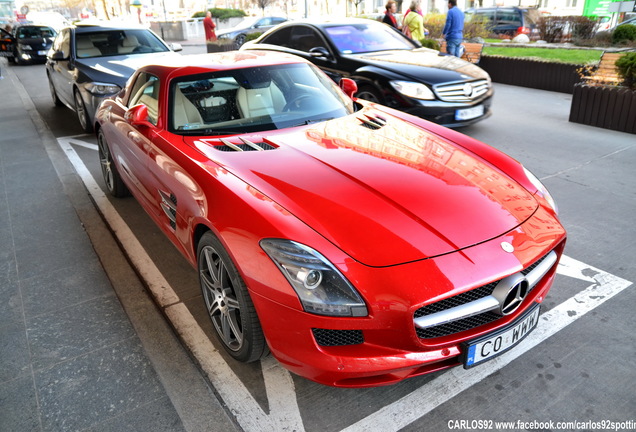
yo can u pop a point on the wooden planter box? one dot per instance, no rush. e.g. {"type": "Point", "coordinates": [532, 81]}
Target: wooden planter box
{"type": "Point", "coordinates": [542, 75]}
{"type": "Point", "coordinates": [606, 107]}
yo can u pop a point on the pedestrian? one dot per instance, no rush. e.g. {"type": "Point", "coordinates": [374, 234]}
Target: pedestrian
{"type": "Point", "coordinates": [210, 35]}
{"type": "Point", "coordinates": [413, 24]}
{"type": "Point", "coordinates": [454, 29]}
{"type": "Point", "coordinates": [389, 15]}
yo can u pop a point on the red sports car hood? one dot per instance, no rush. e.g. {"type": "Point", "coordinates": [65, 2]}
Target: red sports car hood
{"type": "Point", "coordinates": [385, 194]}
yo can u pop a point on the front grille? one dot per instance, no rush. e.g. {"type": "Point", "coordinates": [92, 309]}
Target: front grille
{"type": "Point", "coordinates": [467, 323]}
{"type": "Point", "coordinates": [457, 326]}
{"type": "Point", "coordinates": [326, 337]}
{"type": "Point", "coordinates": [456, 92]}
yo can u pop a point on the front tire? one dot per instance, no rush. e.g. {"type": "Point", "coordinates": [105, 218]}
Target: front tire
{"type": "Point", "coordinates": [228, 302]}
{"type": "Point", "coordinates": [82, 113]}
{"type": "Point", "coordinates": [370, 94]}
{"type": "Point", "coordinates": [114, 183]}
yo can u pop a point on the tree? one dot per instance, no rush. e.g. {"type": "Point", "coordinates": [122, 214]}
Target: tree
{"type": "Point", "coordinates": [262, 4]}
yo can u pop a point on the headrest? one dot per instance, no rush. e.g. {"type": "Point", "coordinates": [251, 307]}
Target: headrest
{"type": "Point", "coordinates": [84, 43]}
{"type": "Point", "coordinates": [253, 78]}
{"type": "Point", "coordinates": [130, 41]}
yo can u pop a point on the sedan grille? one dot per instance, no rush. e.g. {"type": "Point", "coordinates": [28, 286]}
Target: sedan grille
{"type": "Point", "coordinates": [467, 91]}
{"type": "Point", "coordinates": [472, 308]}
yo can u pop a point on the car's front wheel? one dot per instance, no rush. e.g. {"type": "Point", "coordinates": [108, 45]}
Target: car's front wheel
{"type": "Point", "coordinates": [239, 40]}
{"type": "Point", "coordinates": [369, 93]}
{"type": "Point", "coordinates": [228, 302]}
{"type": "Point", "coordinates": [114, 183]}
{"type": "Point", "coordinates": [82, 113]}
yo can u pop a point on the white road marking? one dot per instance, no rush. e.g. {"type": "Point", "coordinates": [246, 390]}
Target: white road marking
{"type": "Point", "coordinates": [284, 413]}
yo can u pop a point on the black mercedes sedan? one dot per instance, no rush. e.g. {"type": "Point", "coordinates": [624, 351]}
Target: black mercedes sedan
{"type": "Point", "coordinates": [28, 43]}
{"type": "Point", "coordinates": [388, 68]}
{"type": "Point", "coordinates": [88, 63]}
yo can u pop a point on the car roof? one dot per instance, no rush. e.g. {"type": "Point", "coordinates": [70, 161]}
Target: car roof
{"type": "Point", "coordinates": [89, 28]}
{"type": "Point", "coordinates": [328, 22]}
{"type": "Point", "coordinates": [192, 64]}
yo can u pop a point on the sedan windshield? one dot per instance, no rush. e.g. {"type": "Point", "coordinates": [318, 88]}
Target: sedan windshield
{"type": "Point", "coordinates": [363, 38]}
{"type": "Point", "coordinates": [254, 100]}
{"type": "Point", "coordinates": [117, 42]}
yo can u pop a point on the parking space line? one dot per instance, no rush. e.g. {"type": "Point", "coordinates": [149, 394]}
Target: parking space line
{"type": "Point", "coordinates": [284, 413]}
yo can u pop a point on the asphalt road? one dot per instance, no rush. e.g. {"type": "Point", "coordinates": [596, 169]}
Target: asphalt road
{"type": "Point", "coordinates": [579, 367]}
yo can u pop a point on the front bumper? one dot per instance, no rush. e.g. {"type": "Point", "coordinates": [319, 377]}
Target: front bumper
{"type": "Point", "coordinates": [386, 347]}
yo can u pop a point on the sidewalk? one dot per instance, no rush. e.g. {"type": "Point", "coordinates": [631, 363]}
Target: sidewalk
{"type": "Point", "coordinates": [76, 353]}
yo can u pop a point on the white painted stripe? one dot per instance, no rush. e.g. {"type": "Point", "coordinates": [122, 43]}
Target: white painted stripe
{"type": "Point", "coordinates": [415, 405]}
{"type": "Point", "coordinates": [284, 413]}
{"type": "Point", "coordinates": [156, 282]}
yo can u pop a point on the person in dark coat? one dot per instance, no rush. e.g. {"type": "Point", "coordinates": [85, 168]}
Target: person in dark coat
{"type": "Point", "coordinates": [389, 15]}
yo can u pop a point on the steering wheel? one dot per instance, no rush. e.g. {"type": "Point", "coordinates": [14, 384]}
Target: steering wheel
{"type": "Point", "coordinates": [296, 102]}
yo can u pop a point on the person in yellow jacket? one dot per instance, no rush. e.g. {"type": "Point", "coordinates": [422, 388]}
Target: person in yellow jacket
{"type": "Point", "coordinates": [413, 23]}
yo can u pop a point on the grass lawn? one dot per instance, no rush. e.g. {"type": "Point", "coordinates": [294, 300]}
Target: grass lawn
{"type": "Point", "coordinates": [574, 56]}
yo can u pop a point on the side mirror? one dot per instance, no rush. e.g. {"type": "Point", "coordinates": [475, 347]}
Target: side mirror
{"type": "Point", "coordinates": [138, 115]}
{"type": "Point", "coordinates": [58, 55]}
{"type": "Point", "coordinates": [176, 47]}
{"type": "Point", "coordinates": [348, 86]}
{"type": "Point", "coordinates": [320, 53]}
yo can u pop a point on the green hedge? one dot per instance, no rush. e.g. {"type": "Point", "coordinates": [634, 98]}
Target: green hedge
{"type": "Point", "coordinates": [222, 14]}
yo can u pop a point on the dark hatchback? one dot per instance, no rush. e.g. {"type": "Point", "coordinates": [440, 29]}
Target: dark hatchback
{"type": "Point", "coordinates": [28, 43]}
{"type": "Point", "coordinates": [388, 68]}
{"type": "Point", "coordinates": [508, 21]}
{"type": "Point", "coordinates": [90, 63]}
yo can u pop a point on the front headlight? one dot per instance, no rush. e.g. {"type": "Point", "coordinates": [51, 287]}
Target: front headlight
{"type": "Point", "coordinates": [102, 89]}
{"type": "Point", "coordinates": [225, 36]}
{"type": "Point", "coordinates": [26, 47]}
{"type": "Point", "coordinates": [321, 288]}
{"type": "Point", "coordinates": [413, 90]}
{"type": "Point", "coordinates": [541, 189]}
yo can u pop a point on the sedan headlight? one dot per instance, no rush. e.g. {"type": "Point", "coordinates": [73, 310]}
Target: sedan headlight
{"type": "Point", "coordinates": [413, 90]}
{"type": "Point", "coordinates": [26, 47]}
{"type": "Point", "coordinates": [225, 36]}
{"type": "Point", "coordinates": [541, 190]}
{"type": "Point", "coordinates": [321, 288]}
{"type": "Point", "coordinates": [102, 89]}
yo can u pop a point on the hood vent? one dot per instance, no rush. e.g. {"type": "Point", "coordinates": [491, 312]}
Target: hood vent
{"type": "Point", "coordinates": [246, 146]}
{"type": "Point", "coordinates": [372, 122]}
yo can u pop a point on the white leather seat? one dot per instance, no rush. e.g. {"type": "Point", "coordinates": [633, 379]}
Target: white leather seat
{"type": "Point", "coordinates": [184, 112]}
{"type": "Point", "coordinates": [128, 45]}
{"type": "Point", "coordinates": [85, 48]}
{"type": "Point", "coordinates": [256, 102]}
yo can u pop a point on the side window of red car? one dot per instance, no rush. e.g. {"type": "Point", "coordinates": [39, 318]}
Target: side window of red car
{"type": "Point", "coordinates": [146, 91]}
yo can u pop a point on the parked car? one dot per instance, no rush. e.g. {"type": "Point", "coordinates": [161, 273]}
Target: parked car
{"type": "Point", "coordinates": [508, 21]}
{"type": "Point", "coordinates": [359, 244]}
{"type": "Point", "coordinates": [248, 26]}
{"type": "Point", "coordinates": [27, 43]}
{"type": "Point", "coordinates": [88, 63]}
{"type": "Point", "coordinates": [388, 68]}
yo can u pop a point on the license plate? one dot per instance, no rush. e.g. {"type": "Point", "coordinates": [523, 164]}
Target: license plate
{"type": "Point", "coordinates": [42, 52]}
{"type": "Point", "coordinates": [469, 113]}
{"type": "Point", "coordinates": [491, 346]}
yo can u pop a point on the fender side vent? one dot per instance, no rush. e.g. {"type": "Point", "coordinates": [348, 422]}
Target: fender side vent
{"type": "Point", "coordinates": [169, 207]}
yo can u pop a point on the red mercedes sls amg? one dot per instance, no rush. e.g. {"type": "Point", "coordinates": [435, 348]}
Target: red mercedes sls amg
{"type": "Point", "coordinates": [359, 244]}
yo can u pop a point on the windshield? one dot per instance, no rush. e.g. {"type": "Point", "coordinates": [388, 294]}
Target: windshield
{"type": "Point", "coordinates": [254, 100]}
{"type": "Point", "coordinates": [35, 32]}
{"type": "Point", "coordinates": [117, 42]}
{"type": "Point", "coordinates": [363, 38]}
